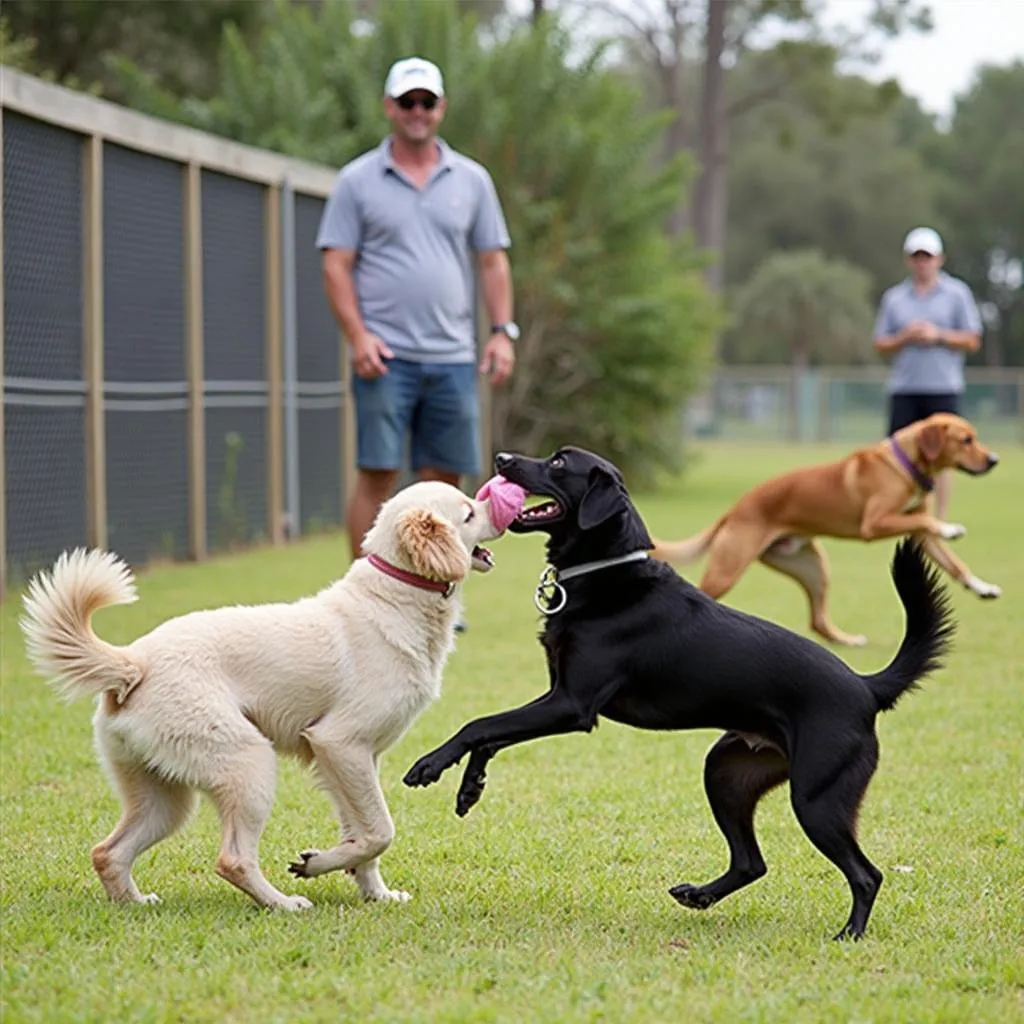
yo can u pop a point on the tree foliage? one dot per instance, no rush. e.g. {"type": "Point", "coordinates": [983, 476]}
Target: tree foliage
{"type": "Point", "coordinates": [72, 40]}
{"type": "Point", "coordinates": [851, 190]}
{"type": "Point", "coordinates": [803, 308]}
{"type": "Point", "coordinates": [616, 319]}
{"type": "Point", "coordinates": [982, 202]}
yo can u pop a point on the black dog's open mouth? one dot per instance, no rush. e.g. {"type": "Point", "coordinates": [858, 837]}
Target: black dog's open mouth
{"type": "Point", "coordinates": [537, 515]}
{"type": "Point", "coordinates": [483, 559]}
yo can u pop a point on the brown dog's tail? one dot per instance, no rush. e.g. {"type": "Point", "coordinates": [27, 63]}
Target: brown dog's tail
{"type": "Point", "coordinates": [682, 552]}
{"type": "Point", "coordinates": [57, 624]}
{"type": "Point", "coordinates": [930, 626]}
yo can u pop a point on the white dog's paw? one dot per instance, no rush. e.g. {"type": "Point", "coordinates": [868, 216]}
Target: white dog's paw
{"type": "Point", "coordinates": [983, 589]}
{"type": "Point", "coordinates": [291, 904]}
{"type": "Point", "coordinates": [952, 531]}
{"type": "Point", "coordinates": [858, 640]}
{"type": "Point", "coordinates": [387, 896]}
{"type": "Point", "coordinates": [149, 897]}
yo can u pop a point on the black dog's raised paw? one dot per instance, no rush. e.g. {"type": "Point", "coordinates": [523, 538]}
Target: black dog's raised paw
{"type": "Point", "coordinates": [427, 770]}
{"type": "Point", "coordinates": [469, 794]}
{"type": "Point", "coordinates": [298, 867]}
{"type": "Point", "coordinates": [695, 897]}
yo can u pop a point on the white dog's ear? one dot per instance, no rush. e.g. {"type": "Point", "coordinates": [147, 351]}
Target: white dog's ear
{"type": "Point", "coordinates": [432, 545]}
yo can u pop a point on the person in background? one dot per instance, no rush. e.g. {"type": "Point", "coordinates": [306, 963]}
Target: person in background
{"type": "Point", "coordinates": [398, 238]}
{"type": "Point", "coordinates": [927, 323]}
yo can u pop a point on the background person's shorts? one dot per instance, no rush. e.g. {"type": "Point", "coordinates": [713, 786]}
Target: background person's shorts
{"type": "Point", "coordinates": [434, 405]}
{"type": "Point", "coordinates": [905, 409]}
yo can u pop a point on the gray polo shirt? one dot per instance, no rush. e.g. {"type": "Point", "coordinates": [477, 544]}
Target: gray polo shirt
{"type": "Point", "coordinates": [928, 369]}
{"type": "Point", "coordinates": [414, 273]}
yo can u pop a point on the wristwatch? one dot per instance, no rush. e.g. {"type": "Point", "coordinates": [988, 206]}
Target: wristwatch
{"type": "Point", "coordinates": [510, 330]}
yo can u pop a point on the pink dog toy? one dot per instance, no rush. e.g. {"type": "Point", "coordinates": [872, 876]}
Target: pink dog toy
{"type": "Point", "coordinates": [507, 500]}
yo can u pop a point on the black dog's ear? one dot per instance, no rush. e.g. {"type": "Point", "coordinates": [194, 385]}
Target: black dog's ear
{"type": "Point", "coordinates": [604, 499]}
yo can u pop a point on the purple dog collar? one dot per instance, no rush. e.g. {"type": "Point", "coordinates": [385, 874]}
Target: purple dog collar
{"type": "Point", "coordinates": [925, 482]}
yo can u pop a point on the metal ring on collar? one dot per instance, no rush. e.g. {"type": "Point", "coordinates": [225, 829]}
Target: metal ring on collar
{"type": "Point", "coordinates": [540, 595]}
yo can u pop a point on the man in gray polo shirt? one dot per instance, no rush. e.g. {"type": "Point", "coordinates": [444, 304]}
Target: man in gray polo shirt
{"type": "Point", "coordinates": [398, 235]}
{"type": "Point", "coordinates": [927, 322]}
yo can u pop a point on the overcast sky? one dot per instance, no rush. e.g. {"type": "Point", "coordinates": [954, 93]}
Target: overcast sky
{"type": "Point", "coordinates": [935, 67]}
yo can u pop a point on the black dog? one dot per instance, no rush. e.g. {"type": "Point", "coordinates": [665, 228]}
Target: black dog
{"type": "Point", "coordinates": [636, 643]}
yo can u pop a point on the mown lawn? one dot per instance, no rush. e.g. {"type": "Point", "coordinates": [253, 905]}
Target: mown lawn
{"type": "Point", "coordinates": [549, 902]}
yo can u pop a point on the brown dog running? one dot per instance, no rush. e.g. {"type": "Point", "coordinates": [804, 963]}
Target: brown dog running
{"type": "Point", "coordinates": [875, 492]}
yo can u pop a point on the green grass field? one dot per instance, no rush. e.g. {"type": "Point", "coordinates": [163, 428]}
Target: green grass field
{"type": "Point", "coordinates": [549, 902]}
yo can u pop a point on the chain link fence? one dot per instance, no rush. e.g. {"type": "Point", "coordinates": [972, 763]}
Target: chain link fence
{"type": "Point", "coordinates": [849, 406]}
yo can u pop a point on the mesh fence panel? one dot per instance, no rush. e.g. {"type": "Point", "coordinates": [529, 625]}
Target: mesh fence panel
{"type": "Point", "coordinates": [42, 250]}
{"type": "Point", "coordinates": [147, 479]}
{"type": "Point", "coordinates": [44, 408]}
{"type": "Point", "coordinates": [143, 267]}
{"type": "Point", "coordinates": [234, 286]}
{"type": "Point", "coordinates": [236, 472]}
{"type": "Point", "coordinates": [44, 447]}
{"type": "Point", "coordinates": [319, 391]}
{"type": "Point", "coordinates": [319, 465]}
{"type": "Point", "coordinates": [144, 355]}
{"type": "Point", "coordinates": [234, 319]}
{"type": "Point", "coordinates": [319, 355]}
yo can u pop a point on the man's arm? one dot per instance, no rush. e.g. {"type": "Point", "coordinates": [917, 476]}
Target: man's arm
{"type": "Point", "coordinates": [498, 358]}
{"type": "Point", "coordinates": [965, 334]}
{"type": "Point", "coordinates": [886, 344]}
{"type": "Point", "coordinates": [888, 337]}
{"type": "Point", "coordinates": [966, 341]}
{"type": "Point", "coordinates": [368, 351]}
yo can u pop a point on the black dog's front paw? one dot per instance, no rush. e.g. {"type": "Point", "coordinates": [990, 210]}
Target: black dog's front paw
{"type": "Point", "coordinates": [470, 791]}
{"type": "Point", "coordinates": [696, 897]}
{"type": "Point", "coordinates": [428, 769]}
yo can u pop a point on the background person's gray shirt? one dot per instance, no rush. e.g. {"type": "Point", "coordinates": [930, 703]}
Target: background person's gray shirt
{"type": "Point", "coordinates": [414, 275]}
{"type": "Point", "coordinates": [928, 369]}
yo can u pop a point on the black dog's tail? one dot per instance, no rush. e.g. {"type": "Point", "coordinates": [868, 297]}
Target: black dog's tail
{"type": "Point", "coordinates": [930, 626]}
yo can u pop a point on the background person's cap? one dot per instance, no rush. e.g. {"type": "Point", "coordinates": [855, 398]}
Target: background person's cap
{"type": "Point", "coordinates": [413, 73]}
{"type": "Point", "coordinates": [923, 240]}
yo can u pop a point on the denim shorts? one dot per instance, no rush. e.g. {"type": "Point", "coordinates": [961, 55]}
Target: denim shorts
{"type": "Point", "coordinates": [432, 407]}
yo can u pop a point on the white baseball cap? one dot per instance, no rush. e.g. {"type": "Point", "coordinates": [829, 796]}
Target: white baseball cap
{"type": "Point", "coordinates": [923, 240]}
{"type": "Point", "coordinates": [413, 73]}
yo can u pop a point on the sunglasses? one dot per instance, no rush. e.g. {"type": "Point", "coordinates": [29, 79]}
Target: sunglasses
{"type": "Point", "coordinates": [410, 102]}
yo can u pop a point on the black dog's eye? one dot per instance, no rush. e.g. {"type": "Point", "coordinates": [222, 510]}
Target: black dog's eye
{"type": "Point", "coordinates": [470, 515]}
{"type": "Point", "coordinates": [968, 439]}
{"type": "Point", "coordinates": [557, 461]}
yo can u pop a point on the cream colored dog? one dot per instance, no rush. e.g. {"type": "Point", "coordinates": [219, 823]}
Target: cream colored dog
{"type": "Point", "coordinates": [205, 701]}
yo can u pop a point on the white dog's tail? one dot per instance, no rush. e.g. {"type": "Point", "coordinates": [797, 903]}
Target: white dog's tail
{"type": "Point", "coordinates": [57, 624]}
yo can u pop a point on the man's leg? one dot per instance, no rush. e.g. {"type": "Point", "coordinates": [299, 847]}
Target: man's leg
{"type": "Point", "coordinates": [384, 412]}
{"type": "Point", "coordinates": [943, 488]}
{"type": "Point", "coordinates": [446, 428]}
{"type": "Point", "coordinates": [446, 424]}
{"type": "Point", "coordinates": [373, 488]}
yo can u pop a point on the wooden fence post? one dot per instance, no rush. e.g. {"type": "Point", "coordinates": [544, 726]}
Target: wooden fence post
{"type": "Point", "coordinates": [92, 265]}
{"type": "Point", "coordinates": [274, 355]}
{"type": "Point", "coordinates": [197, 540]}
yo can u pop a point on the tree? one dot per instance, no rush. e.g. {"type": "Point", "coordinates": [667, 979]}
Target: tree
{"type": "Point", "coordinates": [616, 320]}
{"type": "Point", "coordinates": [804, 309]}
{"type": "Point", "coordinates": [850, 190]}
{"type": "Point", "coordinates": [673, 35]}
{"type": "Point", "coordinates": [982, 203]}
{"type": "Point", "coordinates": [174, 40]}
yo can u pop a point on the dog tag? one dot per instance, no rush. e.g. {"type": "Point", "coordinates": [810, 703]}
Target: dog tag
{"type": "Point", "coordinates": [550, 595]}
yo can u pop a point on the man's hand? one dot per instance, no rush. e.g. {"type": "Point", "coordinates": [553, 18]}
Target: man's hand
{"type": "Point", "coordinates": [368, 355]}
{"type": "Point", "coordinates": [498, 358]}
{"type": "Point", "coordinates": [922, 332]}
